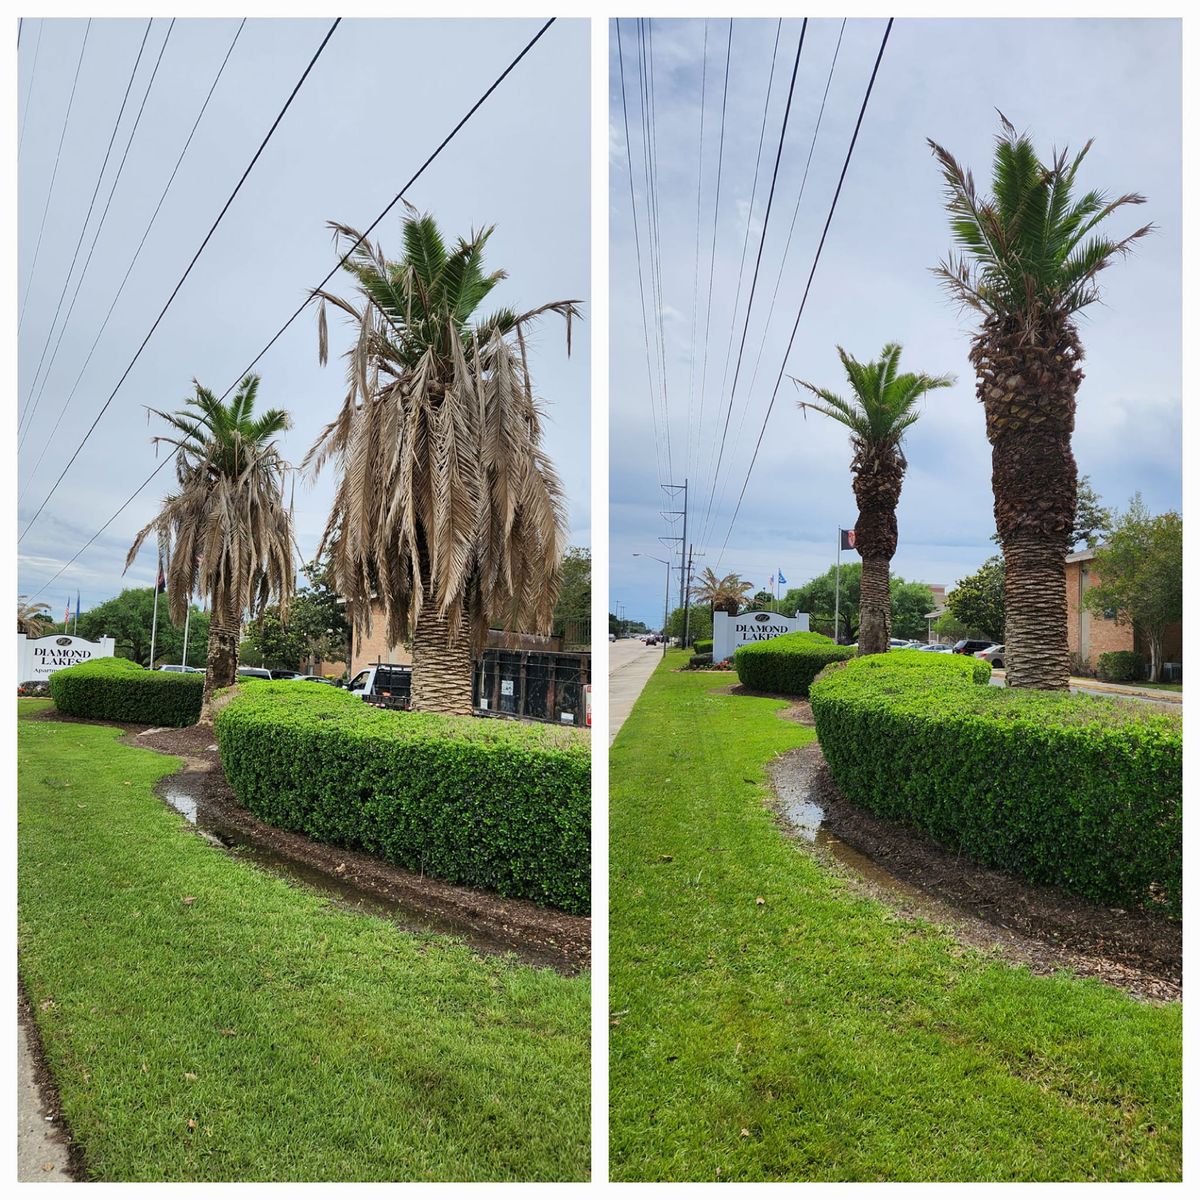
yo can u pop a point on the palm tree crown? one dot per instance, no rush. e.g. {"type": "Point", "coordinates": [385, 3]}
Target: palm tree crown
{"type": "Point", "coordinates": [446, 498]}
{"type": "Point", "coordinates": [32, 616]}
{"type": "Point", "coordinates": [226, 532]}
{"type": "Point", "coordinates": [1030, 249]}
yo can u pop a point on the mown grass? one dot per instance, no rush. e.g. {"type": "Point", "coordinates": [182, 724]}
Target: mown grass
{"type": "Point", "coordinates": [816, 1035]}
{"type": "Point", "coordinates": [207, 1021]}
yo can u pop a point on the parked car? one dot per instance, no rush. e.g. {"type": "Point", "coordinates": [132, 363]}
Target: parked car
{"type": "Point", "coordinates": [993, 654]}
{"type": "Point", "coordinates": [180, 669]}
{"type": "Point", "coordinates": [286, 675]}
{"type": "Point", "coordinates": [385, 683]}
{"type": "Point", "coordinates": [318, 679]}
{"type": "Point", "coordinates": [971, 645]}
{"type": "Point", "coordinates": [612, 637]}
{"type": "Point", "coordinates": [901, 644]}
{"type": "Point", "coordinates": [254, 673]}
{"type": "Point", "coordinates": [940, 649]}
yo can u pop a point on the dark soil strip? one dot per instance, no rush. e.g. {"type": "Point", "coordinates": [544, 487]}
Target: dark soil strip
{"type": "Point", "coordinates": [490, 923]}
{"type": "Point", "coordinates": [46, 1087]}
{"type": "Point", "coordinates": [1046, 928]}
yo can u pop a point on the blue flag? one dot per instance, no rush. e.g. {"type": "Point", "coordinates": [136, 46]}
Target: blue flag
{"type": "Point", "coordinates": [781, 578]}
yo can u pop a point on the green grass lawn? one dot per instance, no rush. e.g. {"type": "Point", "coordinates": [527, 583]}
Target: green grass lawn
{"type": "Point", "coordinates": [817, 1036]}
{"type": "Point", "coordinates": [207, 1021]}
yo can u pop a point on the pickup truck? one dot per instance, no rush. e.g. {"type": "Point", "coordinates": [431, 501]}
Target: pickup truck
{"type": "Point", "coordinates": [384, 683]}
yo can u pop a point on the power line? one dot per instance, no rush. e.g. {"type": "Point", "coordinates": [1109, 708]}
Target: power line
{"type": "Point", "coordinates": [396, 200]}
{"type": "Point", "coordinates": [54, 174]}
{"type": "Point", "coordinates": [737, 437]}
{"type": "Point", "coordinates": [696, 270]}
{"type": "Point", "coordinates": [31, 411]}
{"type": "Point", "coordinates": [758, 262]}
{"type": "Point", "coordinates": [136, 253]}
{"type": "Point", "coordinates": [638, 250]}
{"type": "Point", "coordinates": [183, 277]}
{"type": "Point", "coordinates": [808, 285]}
{"type": "Point", "coordinates": [37, 46]}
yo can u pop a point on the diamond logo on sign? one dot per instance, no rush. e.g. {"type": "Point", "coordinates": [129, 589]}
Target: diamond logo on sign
{"type": "Point", "coordinates": [762, 617]}
{"type": "Point", "coordinates": [62, 641]}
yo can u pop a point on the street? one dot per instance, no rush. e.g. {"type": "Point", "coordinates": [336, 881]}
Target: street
{"type": "Point", "coordinates": [630, 663]}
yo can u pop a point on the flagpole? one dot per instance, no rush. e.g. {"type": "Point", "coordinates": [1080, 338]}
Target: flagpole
{"type": "Point", "coordinates": [837, 592]}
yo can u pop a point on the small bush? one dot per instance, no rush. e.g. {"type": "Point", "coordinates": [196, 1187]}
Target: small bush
{"type": "Point", "coordinates": [115, 689]}
{"type": "Point", "coordinates": [787, 664]}
{"type": "Point", "coordinates": [702, 646]}
{"type": "Point", "coordinates": [700, 660]}
{"type": "Point", "coordinates": [1080, 791]}
{"type": "Point", "coordinates": [492, 804]}
{"type": "Point", "coordinates": [1121, 666]}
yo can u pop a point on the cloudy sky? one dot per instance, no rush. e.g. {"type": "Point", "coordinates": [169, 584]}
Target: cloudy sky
{"type": "Point", "coordinates": [1064, 81]}
{"type": "Point", "coordinates": [379, 100]}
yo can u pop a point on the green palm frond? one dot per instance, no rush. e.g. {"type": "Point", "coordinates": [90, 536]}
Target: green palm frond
{"type": "Point", "coordinates": [1019, 248]}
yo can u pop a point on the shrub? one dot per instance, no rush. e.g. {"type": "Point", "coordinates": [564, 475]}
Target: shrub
{"type": "Point", "coordinates": [787, 664]}
{"type": "Point", "coordinates": [700, 660]}
{"type": "Point", "coordinates": [1080, 791]}
{"type": "Point", "coordinates": [1121, 666]}
{"type": "Point", "coordinates": [34, 687]}
{"type": "Point", "coordinates": [115, 689]}
{"type": "Point", "coordinates": [486, 803]}
{"type": "Point", "coordinates": [702, 646]}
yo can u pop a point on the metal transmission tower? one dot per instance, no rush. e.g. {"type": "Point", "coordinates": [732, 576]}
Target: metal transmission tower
{"type": "Point", "coordinates": [673, 489]}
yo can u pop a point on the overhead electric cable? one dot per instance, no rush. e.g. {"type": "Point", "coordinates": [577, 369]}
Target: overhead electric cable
{"type": "Point", "coordinates": [758, 260]}
{"type": "Point", "coordinates": [96, 234]}
{"type": "Point", "coordinates": [696, 268]}
{"type": "Point", "coordinates": [183, 277]}
{"type": "Point", "coordinates": [396, 200]}
{"type": "Point", "coordinates": [54, 174]}
{"type": "Point", "coordinates": [37, 46]}
{"type": "Point", "coordinates": [136, 254]}
{"type": "Point", "coordinates": [808, 285]}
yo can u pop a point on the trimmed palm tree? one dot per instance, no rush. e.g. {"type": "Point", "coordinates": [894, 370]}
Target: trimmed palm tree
{"type": "Point", "coordinates": [883, 406]}
{"type": "Point", "coordinates": [226, 533]}
{"type": "Point", "coordinates": [723, 593]}
{"type": "Point", "coordinates": [33, 616]}
{"type": "Point", "coordinates": [448, 513]}
{"type": "Point", "coordinates": [1029, 257]}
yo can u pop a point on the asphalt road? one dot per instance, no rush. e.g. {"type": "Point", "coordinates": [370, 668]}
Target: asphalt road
{"type": "Point", "coordinates": [630, 663]}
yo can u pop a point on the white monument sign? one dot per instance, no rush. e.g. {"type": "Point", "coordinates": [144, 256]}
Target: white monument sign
{"type": "Point", "coordinates": [731, 632]}
{"type": "Point", "coordinates": [39, 658]}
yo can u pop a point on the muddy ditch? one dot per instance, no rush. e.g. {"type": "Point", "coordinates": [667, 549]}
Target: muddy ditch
{"type": "Point", "coordinates": [1045, 928]}
{"type": "Point", "coordinates": [490, 924]}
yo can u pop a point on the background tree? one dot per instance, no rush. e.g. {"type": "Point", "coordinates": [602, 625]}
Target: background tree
{"type": "Point", "coordinates": [763, 599]}
{"type": "Point", "coordinates": [699, 626]}
{"type": "Point", "coordinates": [882, 407]}
{"type": "Point", "coordinates": [1140, 575]}
{"type": "Point", "coordinates": [128, 618]}
{"type": "Point", "coordinates": [33, 617]}
{"type": "Point", "coordinates": [910, 603]}
{"type": "Point", "coordinates": [817, 598]}
{"type": "Point", "coordinates": [573, 609]}
{"type": "Point", "coordinates": [447, 508]}
{"type": "Point", "coordinates": [226, 533]}
{"type": "Point", "coordinates": [949, 628]}
{"type": "Point", "coordinates": [978, 600]}
{"type": "Point", "coordinates": [1029, 259]}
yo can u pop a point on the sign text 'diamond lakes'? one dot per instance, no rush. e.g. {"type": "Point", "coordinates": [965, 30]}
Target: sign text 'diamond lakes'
{"type": "Point", "coordinates": [730, 632]}
{"type": "Point", "coordinates": [39, 658]}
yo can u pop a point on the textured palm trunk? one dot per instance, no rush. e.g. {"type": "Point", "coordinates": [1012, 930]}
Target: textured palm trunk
{"type": "Point", "coordinates": [441, 677]}
{"type": "Point", "coordinates": [221, 667]}
{"type": "Point", "coordinates": [1027, 381]}
{"type": "Point", "coordinates": [874, 608]}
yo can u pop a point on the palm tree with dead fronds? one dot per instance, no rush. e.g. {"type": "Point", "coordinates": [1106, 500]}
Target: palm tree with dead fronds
{"type": "Point", "coordinates": [722, 593]}
{"type": "Point", "coordinates": [883, 407]}
{"type": "Point", "coordinates": [448, 512]}
{"type": "Point", "coordinates": [226, 533]}
{"type": "Point", "coordinates": [1030, 255]}
{"type": "Point", "coordinates": [33, 617]}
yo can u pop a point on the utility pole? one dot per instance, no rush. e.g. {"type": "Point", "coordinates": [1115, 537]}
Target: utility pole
{"type": "Point", "coordinates": [674, 489]}
{"type": "Point", "coordinates": [687, 603]}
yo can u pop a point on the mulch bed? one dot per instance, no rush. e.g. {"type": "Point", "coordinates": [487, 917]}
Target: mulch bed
{"type": "Point", "coordinates": [545, 935]}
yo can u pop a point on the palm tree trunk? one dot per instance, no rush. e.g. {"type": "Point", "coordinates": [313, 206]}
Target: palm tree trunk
{"type": "Point", "coordinates": [874, 607]}
{"type": "Point", "coordinates": [221, 668]}
{"type": "Point", "coordinates": [441, 678]}
{"type": "Point", "coordinates": [1035, 612]}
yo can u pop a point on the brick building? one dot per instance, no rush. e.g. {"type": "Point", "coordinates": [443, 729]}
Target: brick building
{"type": "Point", "coordinates": [1091, 634]}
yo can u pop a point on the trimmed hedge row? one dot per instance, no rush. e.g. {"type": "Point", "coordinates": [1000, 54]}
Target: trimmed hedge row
{"type": "Point", "coordinates": [789, 663]}
{"type": "Point", "coordinates": [486, 803]}
{"type": "Point", "coordinates": [1121, 666]}
{"type": "Point", "coordinates": [702, 646]}
{"type": "Point", "coordinates": [115, 689]}
{"type": "Point", "coordinates": [1074, 790]}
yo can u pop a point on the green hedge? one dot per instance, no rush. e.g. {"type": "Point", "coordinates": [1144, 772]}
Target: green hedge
{"type": "Point", "coordinates": [702, 646]}
{"type": "Point", "coordinates": [787, 664]}
{"type": "Point", "coordinates": [483, 802]}
{"type": "Point", "coordinates": [115, 689]}
{"type": "Point", "coordinates": [1121, 666]}
{"type": "Point", "coordinates": [1080, 791]}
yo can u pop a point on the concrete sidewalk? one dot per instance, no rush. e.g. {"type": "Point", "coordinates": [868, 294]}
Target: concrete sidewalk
{"type": "Point", "coordinates": [1096, 687]}
{"type": "Point", "coordinates": [630, 664]}
{"type": "Point", "coordinates": [41, 1150]}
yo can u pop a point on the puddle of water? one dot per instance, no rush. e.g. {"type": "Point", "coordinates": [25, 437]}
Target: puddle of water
{"type": "Point", "coordinates": [181, 792]}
